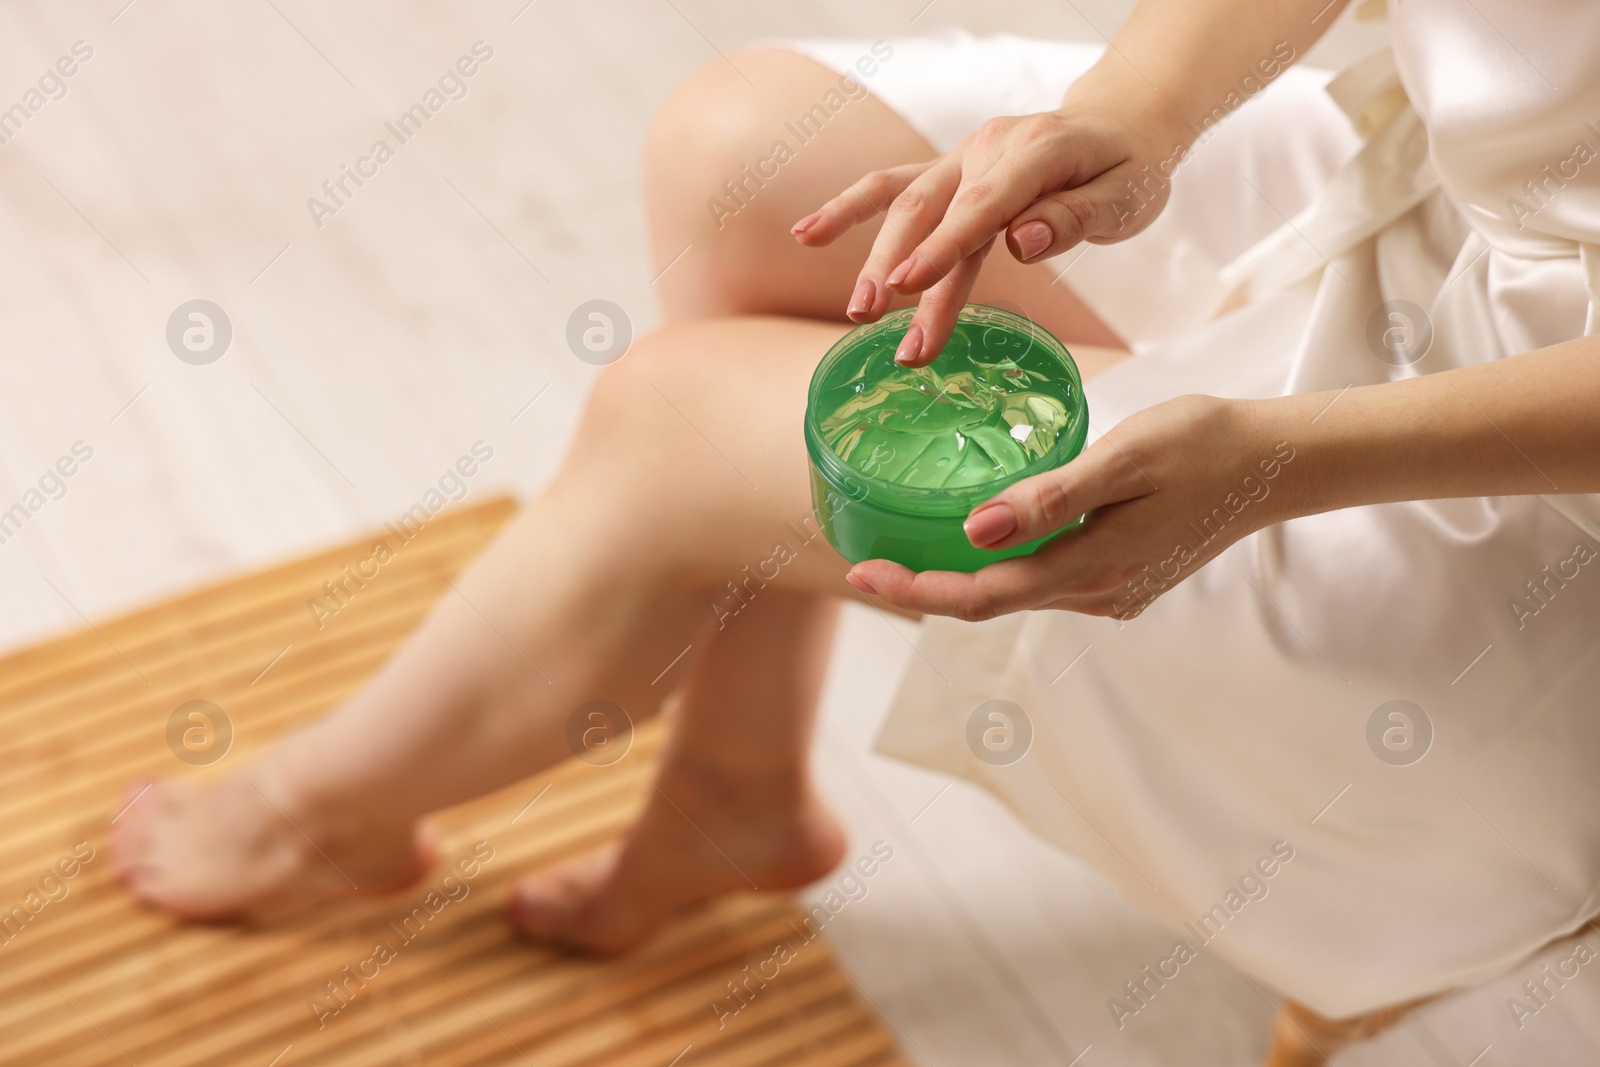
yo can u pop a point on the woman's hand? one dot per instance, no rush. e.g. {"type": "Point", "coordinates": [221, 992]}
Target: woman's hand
{"type": "Point", "coordinates": [1165, 491]}
{"type": "Point", "coordinates": [1092, 171]}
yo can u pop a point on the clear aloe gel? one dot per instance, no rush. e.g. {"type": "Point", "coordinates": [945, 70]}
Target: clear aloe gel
{"type": "Point", "coordinates": [900, 456]}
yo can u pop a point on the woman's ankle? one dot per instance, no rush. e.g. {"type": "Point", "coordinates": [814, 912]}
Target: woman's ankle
{"type": "Point", "coordinates": [732, 777]}
{"type": "Point", "coordinates": [328, 814]}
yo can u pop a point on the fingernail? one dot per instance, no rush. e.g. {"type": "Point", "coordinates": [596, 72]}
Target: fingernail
{"type": "Point", "coordinates": [898, 275]}
{"type": "Point", "coordinates": [865, 296]}
{"type": "Point", "coordinates": [806, 223]}
{"type": "Point", "coordinates": [1033, 238]}
{"type": "Point", "coordinates": [910, 346]}
{"type": "Point", "coordinates": [860, 583]}
{"type": "Point", "coordinates": [991, 525]}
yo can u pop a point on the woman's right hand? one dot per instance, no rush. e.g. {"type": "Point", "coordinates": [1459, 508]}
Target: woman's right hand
{"type": "Point", "coordinates": [1091, 171]}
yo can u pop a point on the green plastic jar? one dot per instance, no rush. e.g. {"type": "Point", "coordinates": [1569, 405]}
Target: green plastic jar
{"type": "Point", "coordinates": [900, 456]}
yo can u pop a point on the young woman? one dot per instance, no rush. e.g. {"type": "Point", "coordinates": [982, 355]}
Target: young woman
{"type": "Point", "coordinates": [1315, 678]}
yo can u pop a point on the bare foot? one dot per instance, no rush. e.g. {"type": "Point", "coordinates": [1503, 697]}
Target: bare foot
{"type": "Point", "coordinates": [224, 850]}
{"type": "Point", "coordinates": [703, 833]}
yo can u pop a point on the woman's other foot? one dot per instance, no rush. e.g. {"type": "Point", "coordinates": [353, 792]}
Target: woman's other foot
{"type": "Point", "coordinates": [704, 832]}
{"type": "Point", "coordinates": [237, 848]}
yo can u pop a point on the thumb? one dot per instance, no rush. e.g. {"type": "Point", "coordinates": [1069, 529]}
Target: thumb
{"type": "Point", "coordinates": [1047, 502]}
{"type": "Point", "coordinates": [1103, 210]}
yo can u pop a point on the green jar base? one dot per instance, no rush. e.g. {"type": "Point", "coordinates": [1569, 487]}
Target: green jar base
{"type": "Point", "coordinates": [861, 531]}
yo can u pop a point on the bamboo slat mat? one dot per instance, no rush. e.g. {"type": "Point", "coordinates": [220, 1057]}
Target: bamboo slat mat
{"type": "Point", "coordinates": [87, 978]}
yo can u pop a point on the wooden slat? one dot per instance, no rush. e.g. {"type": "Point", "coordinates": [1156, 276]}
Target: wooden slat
{"type": "Point", "coordinates": [93, 981]}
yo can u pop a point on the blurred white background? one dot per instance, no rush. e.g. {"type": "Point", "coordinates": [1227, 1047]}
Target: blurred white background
{"type": "Point", "coordinates": [430, 313]}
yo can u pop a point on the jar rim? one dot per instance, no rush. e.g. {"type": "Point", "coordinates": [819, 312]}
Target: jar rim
{"type": "Point", "coordinates": [941, 500]}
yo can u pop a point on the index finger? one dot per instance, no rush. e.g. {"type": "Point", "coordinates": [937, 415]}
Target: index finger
{"type": "Point", "coordinates": [864, 199]}
{"type": "Point", "coordinates": [913, 215]}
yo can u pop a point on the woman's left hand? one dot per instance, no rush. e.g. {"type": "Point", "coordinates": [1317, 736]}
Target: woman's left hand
{"type": "Point", "coordinates": [1165, 491]}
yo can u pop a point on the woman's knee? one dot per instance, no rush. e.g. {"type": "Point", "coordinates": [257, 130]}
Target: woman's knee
{"type": "Point", "coordinates": [625, 408]}
{"type": "Point", "coordinates": [679, 404]}
{"type": "Point", "coordinates": [726, 175]}
{"type": "Point", "coordinates": [691, 450]}
{"type": "Point", "coordinates": [706, 146]}
{"type": "Point", "coordinates": [644, 419]}
{"type": "Point", "coordinates": [650, 462]}
{"type": "Point", "coordinates": [682, 377]}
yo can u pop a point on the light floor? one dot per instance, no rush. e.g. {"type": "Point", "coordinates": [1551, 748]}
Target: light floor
{"type": "Point", "coordinates": [430, 313]}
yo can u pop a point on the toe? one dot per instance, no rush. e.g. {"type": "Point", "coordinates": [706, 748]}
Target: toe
{"type": "Point", "coordinates": [577, 906]}
{"type": "Point", "coordinates": [427, 843]}
{"type": "Point", "coordinates": [125, 837]}
{"type": "Point", "coordinates": [533, 909]}
{"type": "Point", "coordinates": [549, 909]}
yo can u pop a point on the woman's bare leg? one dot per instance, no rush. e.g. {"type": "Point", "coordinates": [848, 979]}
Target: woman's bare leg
{"type": "Point", "coordinates": [739, 751]}
{"type": "Point", "coordinates": [590, 592]}
{"type": "Point", "coordinates": [733, 806]}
